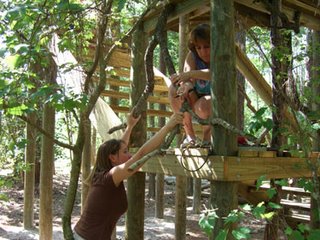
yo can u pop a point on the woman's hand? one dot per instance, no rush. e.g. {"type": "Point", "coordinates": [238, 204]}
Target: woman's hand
{"type": "Point", "coordinates": [175, 119]}
{"type": "Point", "coordinates": [179, 78]}
{"type": "Point", "coordinates": [131, 120]}
{"type": "Point", "coordinates": [184, 89]}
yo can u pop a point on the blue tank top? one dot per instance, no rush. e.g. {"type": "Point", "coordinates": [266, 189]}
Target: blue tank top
{"type": "Point", "coordinates": [202, 87]}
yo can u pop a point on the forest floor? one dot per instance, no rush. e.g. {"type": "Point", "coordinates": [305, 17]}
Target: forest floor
{"type": "Point", "coordinates": [11, 214]}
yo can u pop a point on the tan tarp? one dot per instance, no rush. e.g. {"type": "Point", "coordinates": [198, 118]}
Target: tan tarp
{"type": "Point", "coordinates": [102, 116]}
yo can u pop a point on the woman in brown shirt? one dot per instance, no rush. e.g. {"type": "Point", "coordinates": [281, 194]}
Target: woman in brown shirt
{"type": "Point", "coordinates": [107, 199]}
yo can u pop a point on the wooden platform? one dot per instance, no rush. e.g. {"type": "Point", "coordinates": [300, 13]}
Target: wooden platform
{"type": "Point", "coordinates": [196, 163]}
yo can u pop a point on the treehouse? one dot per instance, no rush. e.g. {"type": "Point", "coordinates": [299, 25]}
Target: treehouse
{"type": "Point", "coordinates": [231, 169]}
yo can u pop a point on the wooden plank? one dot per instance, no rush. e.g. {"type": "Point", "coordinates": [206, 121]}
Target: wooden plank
{"type": "Point", "coordinates": [254, 77]}
{"type": "Point", "coordinates": [257, 81]}
{"type": "Point", "coordinates": [182, 8]}
{"type": "Point", "coordinates": [295, 205]}
{"type": "Point", "coordinates": [308, 18]}
{"type": "Point", "coordinates": [124, 83]}
{"type": "Point", "coordinates": [185, 161]}
{"type": "Point", "coordinates": [150, 112]}
{"type": "Point", "coordinates": [122, 95]}
{"type": "Point", "coordinates": [120, 59]}
{"type": "Point", "coordinates": [121, 72]}
{"type": "Point", "coordinates": [244, 168]}
{"type": "Point", "coordinates": [170, 164]}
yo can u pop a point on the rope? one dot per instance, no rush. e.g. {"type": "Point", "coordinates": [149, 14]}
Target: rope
{"type": "Point", "coordinates": [210, 152]}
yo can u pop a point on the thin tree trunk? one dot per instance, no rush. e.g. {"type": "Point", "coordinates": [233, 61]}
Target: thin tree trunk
{"type": "Point", "coordinates": [224, 197]}
{"type": "Point", "coordinates": [181, 181]}
{"type": "Point", "coordinates": [159, 176]}
{"type": "Point", "coordinates": [47, 164]}
{"type": "Point", "coordinates": [196, 204]}
{"type": "Point", "coordinates": [29, 181]}
{"type": "Point", "coordinates": [241, 41]}
{"type": "Point", "coordinates": [280, 39]}
{"type": "Point", "coordinates": [136, 183]}
{"type": "Point", "coordinates": [86, 163]}
{"type": "Point", "coordinates": [314, 73]}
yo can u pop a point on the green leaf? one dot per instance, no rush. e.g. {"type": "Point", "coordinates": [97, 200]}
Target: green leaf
{"type": "Point", "coordinates": [268, 215]}
{"type": "Point", "coordinates": [288, 231]}
{"type": "Point", "coordinates": [222, 235]}
{"type": "Point", "coordinates": [259, 210]}
{"type": "Point", "coordinates": [268, 124]}
{"type": "Point", "coordinates": [241, 233]}
{"type": "Point", "coordinates": [282, 182]}
{"type": "Point", "coordinates": [296, 235]}
{"type": "Point", "coordinates": [260, 181]}
{"type": "Point", "coordinates": [246, 207]}
{"type": "Point", "coordinates": [271, 192]}
{"type": "Point", "coordinates": [17, 111]}
{"type": "Point", "coordinates": [12, 61]}
{"type": "Point", "coordinates": [316, 126]}
{"type": "Point", "coordinates": [314, 234]}
{"type": "Point", "coordinates": [207, 221]}
{"type": "Point", "coordinates": [302, 227]}
{"type": "Point", "coordinates": [260, 112]}
{"type": "Point", "coordinates": [121, 4]}
{"type": "Point", "coordinates": [274, 205]}
{"type": "Point", "coordinates": [4, 197]}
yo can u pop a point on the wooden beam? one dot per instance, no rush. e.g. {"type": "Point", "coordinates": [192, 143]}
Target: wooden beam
{"type": "Point", "coordinates": [120, 59]}
{"type": "Point", "coordinates": [123, 95]}
{"type": "Point", "coordinates": [150, 112]}
{"type": "Point", "coordinates": [182, 8]}
{"type": "Point", "coordinates": [254, 77]}
{"type": "Point", "coordinates": [257, 81]}
{"type": "Point", "coordinates": [310, 14]}
{"type": "Point", "coordinates": [226, 168]}
{"type": "Point", "coordinates": [124, 83]}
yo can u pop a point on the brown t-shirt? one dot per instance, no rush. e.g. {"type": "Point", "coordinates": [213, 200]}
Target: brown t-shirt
{"type": "Point", "coordinates": [105, 205]}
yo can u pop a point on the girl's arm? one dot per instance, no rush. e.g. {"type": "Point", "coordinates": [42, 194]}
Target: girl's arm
{"type": "Point", "coordinates": [121, 172]}
{"type": "Point", "coordinates": [190, 72]}
{"type": "Point", "coordinates": [131, 122]}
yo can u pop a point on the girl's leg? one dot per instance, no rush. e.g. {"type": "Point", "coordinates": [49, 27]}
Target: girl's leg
{"type": "Point", "coordinates": [203, 109]}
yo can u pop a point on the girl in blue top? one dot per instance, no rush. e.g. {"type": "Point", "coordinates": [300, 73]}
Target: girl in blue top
{"type": "Point", "coordinates": [194, 84]}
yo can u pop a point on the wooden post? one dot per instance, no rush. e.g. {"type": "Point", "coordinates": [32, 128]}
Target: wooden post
{"type": "Point", "coordinates": [136, 183]}
{"type": "Point", "coordinates": [224, 102]}
{"type": "Point", "coordinates": [29, 176]}
{"type": "Point", "coordinates": [160, 176]}
{"type": "Point", "coordinates": [159, 195]}
{"type": "Point", "coordinates": [196, 204]}
{"type": "Point", "coordinates": [315, 85]}
{"type": "Point", "coordinates": [86, 163]}
{"type": "Point", "coordinates": [181, 181]}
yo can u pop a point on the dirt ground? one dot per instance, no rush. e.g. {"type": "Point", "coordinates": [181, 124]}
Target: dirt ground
{"type": "Point", "coordinates": [11, 218]}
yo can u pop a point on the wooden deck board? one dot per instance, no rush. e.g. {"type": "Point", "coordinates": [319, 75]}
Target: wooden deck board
{"type": "Point", "coordinates": [226, 168]}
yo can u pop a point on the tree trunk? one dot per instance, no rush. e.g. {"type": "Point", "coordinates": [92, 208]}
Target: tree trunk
{"type": "Point", "coordinates": [181, 181]}
{"type": "Point", "coordinates": [314, 74]}
{"type": "Point", "coordinates": [196, 204]}
{"type": "Point", "coordinates": [280, 39]}
{"type": "Point", "coordinates": [159, 195]}
{"type": "Point", "coordinates": [159, 176]}
{"type": "Point", "coordinates": [152, 176]}
{"type": "Point", "coordinates": [29, 181]}
{"type": "Point", "coordinates": [180, 206]}
{"type": "Point", "coordinates": [223, 69]}
{"type": "Point", "coordinates": [279, 74]}
{"type": "Point", "coordinates": [136, 183]}
{"type": "Point", "coordinates": [86, 163]}
{"type": "Point", "coordinates": [47, 164]}
{"type": "Point", "coordinates": [241, 41]}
